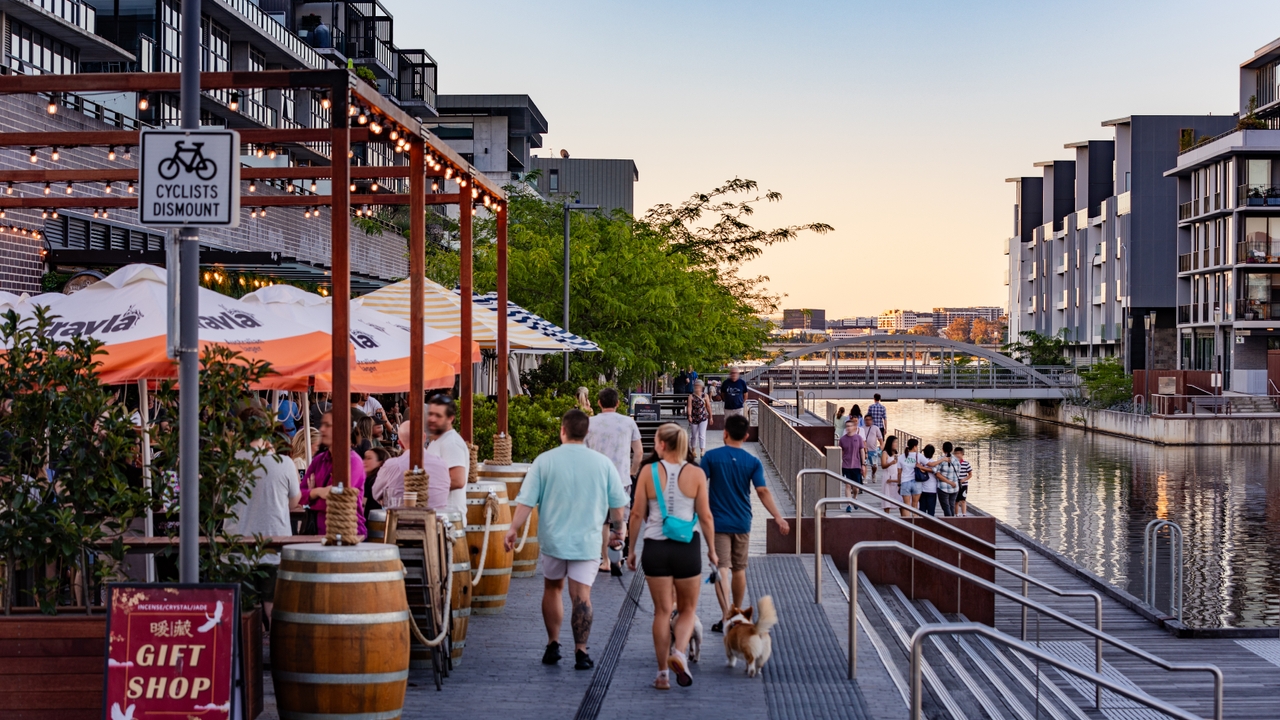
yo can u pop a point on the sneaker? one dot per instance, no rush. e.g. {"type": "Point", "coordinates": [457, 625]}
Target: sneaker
{"type": "Point", "coordinates": [718, 627]}
{"type": "Point", "coordinates": [662, 681]}
{"type": "Point", "coordinates": [582, 661]}
{"type": "Point", "coordinates": [615, 569]}
{"type": "Point", "coordinates": [680, 666]}
{"type": "Point", "coordinates": [551, 655]}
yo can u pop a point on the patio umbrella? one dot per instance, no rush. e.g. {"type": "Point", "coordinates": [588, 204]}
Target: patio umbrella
{"type": "Point", "coordinates": [537, 323]}
{"type": "Point", "coordinates": [381, 345]}
{"type": "Point", "coordinates": [442, 310]}
{"type": "Point", "coordinates": [128, 312]}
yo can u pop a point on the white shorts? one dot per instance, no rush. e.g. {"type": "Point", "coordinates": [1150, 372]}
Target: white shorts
{"type": "Point", "coordinates": [580, 571]}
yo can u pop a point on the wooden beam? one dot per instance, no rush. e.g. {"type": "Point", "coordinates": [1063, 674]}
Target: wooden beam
{"type": "Point", "coordinates": [417, 271]}
{"type": "Point", "coordinates": [171, 82]}
{"type": "Point", "coordinates": [60, 200]}
{"type": "Point", "coordinates": [105, 175]}
{"type": "Point", "coordinates": [503, 341]}
{"type": "Point", "coordinates": [340, 265]}
{"type": "Point", "coordinates": [129, 138]}
{"type": "Point", "coordinates": [466, 376]}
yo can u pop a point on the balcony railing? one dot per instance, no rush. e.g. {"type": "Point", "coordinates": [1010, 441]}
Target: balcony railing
{"type": "Point", "coordinates": [279, 33]}
{"type": "Point", "coordinates": [1184, 314]}
{"type": "Point", "coordinates": [1186, 262]}
{"type": "Point", "coordinates": [1186, 211]}
{"type": "Point", "coordinates": [80, 14]}
{"type": "Point", "coordinates": [1257, 310]}
{"type": "Point", "coordinates": [1252, 252]}
{"type": "Point", "coordinates": [374, 48]}
{"type": "Point", "coordinates": [408, 92]}
{"type": "Point", "coordinates": [1255, 195]}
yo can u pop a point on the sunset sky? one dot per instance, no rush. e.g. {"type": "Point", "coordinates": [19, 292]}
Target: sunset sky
{"type": "Point", "coordinates": [897, 123]}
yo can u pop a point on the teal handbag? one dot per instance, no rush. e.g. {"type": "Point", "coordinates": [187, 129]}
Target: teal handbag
{"type": "Point", "coordinates": [673, 527]}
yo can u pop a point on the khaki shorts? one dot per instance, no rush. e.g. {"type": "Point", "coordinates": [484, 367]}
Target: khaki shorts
{"type": "Point", "coordinates": [731, 550]}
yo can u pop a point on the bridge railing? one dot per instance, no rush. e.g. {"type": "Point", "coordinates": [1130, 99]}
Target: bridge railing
{"type": "Point", "coordinates": [790, 452]}
{"type": "Point", "coordinates": [933, 376]}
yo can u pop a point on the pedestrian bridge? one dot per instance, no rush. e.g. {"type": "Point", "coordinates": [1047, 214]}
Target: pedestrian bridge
{"type": "Point", "coordinates": [906, 367]}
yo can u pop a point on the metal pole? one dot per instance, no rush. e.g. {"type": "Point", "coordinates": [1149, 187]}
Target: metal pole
{"type": "Point", "coordinates": [417, 271]}
{"type": "Point", "coordinates": [566, 286]}
{"type": "Point", "coordinates": [144, 414]}
{"type": "Point", "coordinates": [189, 331]}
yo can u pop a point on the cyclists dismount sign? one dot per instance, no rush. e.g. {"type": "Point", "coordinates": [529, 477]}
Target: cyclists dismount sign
{"type": "Point", "coordinates": [190, 177]}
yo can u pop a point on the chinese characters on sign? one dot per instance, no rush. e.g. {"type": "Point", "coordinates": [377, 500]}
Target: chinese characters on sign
{"type": "Point", "coordinates": [171, 651]}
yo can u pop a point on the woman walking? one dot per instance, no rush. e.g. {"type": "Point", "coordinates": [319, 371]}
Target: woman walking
{"type": "Point", "coordinates": [584, 401]}
{"type": "Point", "coordinates": [670, 504]}
{"type": "Point", "coordinates": [319, 477]}
{"type": "Point", "coordinates": [697, 409]}
{"type": "Point", "coordinates": [908, 486]}
{"type": "Point", "coordinates": [888, 462]}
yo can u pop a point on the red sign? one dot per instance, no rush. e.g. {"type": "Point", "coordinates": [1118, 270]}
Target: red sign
{"type": "Point", "coordinates": [171, 652]}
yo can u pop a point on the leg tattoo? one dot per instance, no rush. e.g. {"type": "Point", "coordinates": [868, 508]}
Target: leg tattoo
{"type": "Point", "coordinates": [581, 621]}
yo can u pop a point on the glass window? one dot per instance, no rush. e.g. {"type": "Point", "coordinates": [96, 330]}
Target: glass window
{"type": "Point", "coordinates": [1259, 172]}
{"type": "Point", "coordinates": [553, 179]}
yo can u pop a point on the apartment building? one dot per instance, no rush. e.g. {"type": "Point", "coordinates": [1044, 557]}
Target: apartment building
{"type": "Point", "coordinates": [804, 319]}
{"type": "Point", "coordinates": [1092, 256]}
{"type": "Point", "coordinates": [495, 133]}
{"type": "Point", "coordinates": [1228, 239]}
{"type": "Point", "coordinates": [901, 321]}
{"type": "Point", "coordinates": [73, 36]}
{"type": "Point", "coordinates": [590, 181]}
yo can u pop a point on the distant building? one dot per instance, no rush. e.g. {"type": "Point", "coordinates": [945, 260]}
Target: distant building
{"type": "Point", "coordinates": [944, 316]}
{"type": "Point", "coordinates": [804, 319]}
{"type": "Point", "coordinates": [493, 132]}
{"type": "Point", "coordinates": [903, 320]}
{"type": "Point", "coordinates": [849, 331]}
{"type": "Point", "coordinates": [853, 322]}
{"type": "Point", "coordinates": [607, 183]}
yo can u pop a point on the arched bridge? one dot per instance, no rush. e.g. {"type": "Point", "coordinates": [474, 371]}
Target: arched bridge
{"type": "Point", "coordinates": [902, 367]}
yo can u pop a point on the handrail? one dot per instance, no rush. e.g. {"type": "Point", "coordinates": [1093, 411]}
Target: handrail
{"type": "Point", "coordinates": [1026, 557]}
{"type": "Point", "coordinates": [1024, 577]}
{"type": "Point", "coordinates": [1039, 607]}
{"type": "Point", "coordinates": [1099, 682]}
{"type": "Point", "coordinates": [1150, 537]}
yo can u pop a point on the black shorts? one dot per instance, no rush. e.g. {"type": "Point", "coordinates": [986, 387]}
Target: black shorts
{"type": "Point", "coordinates": [962, 492]}
{"type": "Point", "coordinates": [668, 558]}
{"type": "Point", "coordinates": [854, 474]}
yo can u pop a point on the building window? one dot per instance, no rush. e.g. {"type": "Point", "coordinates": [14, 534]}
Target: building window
{"type": "Point", "coordinates": [215, 53]}
{"type": "Point", "coordinates": [170, 36]}
{"type": "Point", "coordinates": [553, 180]}
{"type": "Point", "coordinates": [33, 53]}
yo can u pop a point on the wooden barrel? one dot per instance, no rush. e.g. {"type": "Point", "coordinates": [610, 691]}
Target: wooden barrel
{"type": "Point", "coordinates": [525, 562]}
{"type": "Point", "coordinates": [489, 595]}
{"type": "Point", "coordinates": [377, 524]}
{"type": "Point", "coordinates": [460, 600]}
{"type": "Point", "coordinates": [340, 632]}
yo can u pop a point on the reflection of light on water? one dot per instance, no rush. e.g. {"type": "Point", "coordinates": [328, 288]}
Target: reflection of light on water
{"type": "Point", "coordinates": [1090, 496]}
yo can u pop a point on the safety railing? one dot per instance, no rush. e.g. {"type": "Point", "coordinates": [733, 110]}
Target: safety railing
{"type": "Point", "coordinates": [1026, 578]}
{"type": "Point", "coordinates": [1150, 551]}
{"type": "Point", "coordinates": [1045, 610]}
{"type": "Point", "coordinates": [790, 452]}
{"type": "Point", "coordinates": [917, 652]}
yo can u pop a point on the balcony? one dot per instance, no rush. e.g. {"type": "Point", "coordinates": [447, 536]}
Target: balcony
{"type": "Point", "coordinates": [1006, 276]}
{"type": "Point", "coordinates": [82, 15]}
{"type": "Point", "coordinates": [1061, 303]}
{"type": "Point", "coordinates": [1258, 252]}
{"type": "Point", "coordinates": [1099, 294]}
{"type": "Point", "coordinates": [1257, 310]}
{"type": "Point", "coordinates": [250, 12]}
{"type": "Point", "coordinates": [1187, 262]}
{"type": "Point", "coordinates": [1099, 253]}
{"type": "Point", "coordinates": [372, 48]}
{"type": "Point", "coordinates": [1186, 210]}
{"type": "Point", "coordinates": [1061, 267]}
{"type": "Point", "coordinates": [1184, 314]}
{"type": "Point", "coordinates": [1257, 195]}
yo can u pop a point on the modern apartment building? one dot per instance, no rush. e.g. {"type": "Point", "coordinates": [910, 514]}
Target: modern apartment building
{"type": "Point", "coordinates": [590, 181]}
{"type": "Point", "coordinates": [900, 321]}
{"type": "Point", "coordinates": [1228, 236]}
{"type": "Point", "coordinates": [495, 133]}
{"type": "Point", "coordinates": [73, 36]}
{"type": "Point", "coordinates": [804, 319]}
{"type": "Point", "coordinates": [944, 316]}
{"type": "Point", "coordinates": [1094, 243]}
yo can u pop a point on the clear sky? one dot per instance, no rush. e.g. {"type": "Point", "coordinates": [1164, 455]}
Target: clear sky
{"type": "Point", "coordinates": [895, 122]}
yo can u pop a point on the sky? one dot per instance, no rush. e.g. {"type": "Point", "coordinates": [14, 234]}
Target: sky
{"type": "Point", "coordinates": [896, 123]}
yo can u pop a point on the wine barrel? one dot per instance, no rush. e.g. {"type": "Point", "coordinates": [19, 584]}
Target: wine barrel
{"type": "Point", "coordinates": [460, 600]}
{"type": "Point", "coordinates": [340, 632]}
{"type": "Point", "coordinates": [489, 595]}
{"type": "Point", "coordinates": [377, 526]}
{"type": "Point", "coordinates": [525, 561]}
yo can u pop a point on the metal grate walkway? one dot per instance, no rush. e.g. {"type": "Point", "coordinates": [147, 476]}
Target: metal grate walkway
{"type": "Point", "coordinates": [805, 677]}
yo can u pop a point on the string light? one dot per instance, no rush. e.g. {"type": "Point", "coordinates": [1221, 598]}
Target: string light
{"type": "Point", "coordinates": [475, 193]}
{"type": "Point", "coordinates": [486, 201]}
{"type": "Point", "coordinates": [53, 214]}
{"type": "Point", "coordinates": [95, 212]}
{"type": "Point", "coordinates": [111, 153]}
{"type": "Point", "coordinates": [107, 189]}
{"type": "Point", "coordinates": [55, 154]}
{"type": "Point", "coordinates": [435, 186]}
{"type": "Point", "coordinates": [373, 187]}
{"type": "Point", "coordinates": [313, 186]}
{"type": "Point", "coordinates": [1, 213]}
{"type": "Point", "coordinates": [307, 213]}
{"type": "Point", "coordinates": [104, 213]}
{"type": "Point", "coordinates": [8, 189]}
{"type": "Point", "coordinates": [47, 189]}
{"type": "Point", "coordinates": [253, 212]}
{"type": "Point", "coordinates": [375, 127]}
{"type": "Point", "coordinates": [70, 188]}
{"type": "Point", "coordinates": [262, 212]}
{"type": "Point", "coordinates": [34, 157]}
{"type": "Point", "coordinates": [271, 154]}
{"type": "Point", "coordinates": [44, 214]}
{"type": "Point", "coordinates": [448, 173]}
{"type": "Point", "coordinates": [253, 186]}
{"type": "Point", "coordinates": [324, 100]}
{"type": "Point", "coordinates": [52, 108]}
{"type": "Point", "coordinates": [290, 187]}
{"type": "Point", "coordinates": [234, 105]}
{"type": "Point", "coordinates": [259, 152]}
{"type": "Point", "coordinates": [395, 135]}
{"type": "Point", "coordinates": [128, 152]}
{"type": "Point", "coordinates": [353, 187]}
{"type": "Point", "coordinates": [362, 118]}
{"type": "Point", "coordinates": [130, 188]}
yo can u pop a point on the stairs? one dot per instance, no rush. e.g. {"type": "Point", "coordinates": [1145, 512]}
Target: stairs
{"type": "Point", "coordinates": [1241, 404]}
{"type": "Point", "coordinates": [964, 677]}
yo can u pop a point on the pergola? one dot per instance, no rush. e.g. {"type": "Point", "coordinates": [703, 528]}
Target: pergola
{"type": "Point", "coordinates": [375, 119]}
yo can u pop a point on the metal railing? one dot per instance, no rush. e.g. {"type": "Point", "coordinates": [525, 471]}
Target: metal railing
{"type": "Point", "coordinates": [917, 650]}
{"type": "Point", "coordinates": [1025, 577]}
{"type": "Point", "coordinates": [281, 34]}
{"type": "Point", "coordinates": [1038, 607]}
{"type": "Point", "coordinates": [1256, 194]}
{"type": "Point", "coordinates": [1253, 252]}
{"type": "Point", "coordinates": [1150, 551]}
{"type": "Point", "coordinates": [1257, 310]}
{"type": "Point", "coordinates": [790, 452]}
{"type": "Point", "coordinates": [1212, 405]}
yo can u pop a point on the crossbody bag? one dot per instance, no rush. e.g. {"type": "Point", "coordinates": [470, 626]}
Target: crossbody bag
{"type": "Point", "coordinates": [673, 527]}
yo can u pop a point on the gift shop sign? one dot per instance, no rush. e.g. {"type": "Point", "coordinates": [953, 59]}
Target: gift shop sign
{"type": "Point", "coordinates": [171, 652]}
{"type": "Point", "coordinates": [190, 177]}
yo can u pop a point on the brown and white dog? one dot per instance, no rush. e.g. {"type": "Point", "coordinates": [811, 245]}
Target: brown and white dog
{"type": "Point", "coordinates": [747, 640]}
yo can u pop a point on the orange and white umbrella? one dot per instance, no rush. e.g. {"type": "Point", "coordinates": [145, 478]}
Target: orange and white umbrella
{"type": "Point", "coordinates": [381, 343]}
{"type": "Point", "coordinates": [127, 311]}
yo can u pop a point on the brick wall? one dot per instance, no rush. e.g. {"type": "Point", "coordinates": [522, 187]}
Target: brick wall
{"type": "Point", "coordinates": [283, 230]}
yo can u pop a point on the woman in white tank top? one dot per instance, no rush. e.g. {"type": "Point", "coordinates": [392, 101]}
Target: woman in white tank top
{"type": "Point", "coordinates": [889, 464]}
{"type": "Point", "coordinates": [672, 568]}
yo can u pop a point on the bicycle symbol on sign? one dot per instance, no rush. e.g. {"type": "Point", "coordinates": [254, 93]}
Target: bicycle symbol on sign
{"type": "Point", "coordinates": [190, 159]}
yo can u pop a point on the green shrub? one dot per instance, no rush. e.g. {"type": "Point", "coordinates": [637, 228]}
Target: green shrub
{"type": "Point", "coordinates": [1106, 383]}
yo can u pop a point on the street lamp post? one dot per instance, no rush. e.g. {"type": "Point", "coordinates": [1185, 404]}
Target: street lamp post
{"type": "Point", "coordinates": [567, 208]}
{"type": "Point", "coordinates": [1147, 321]}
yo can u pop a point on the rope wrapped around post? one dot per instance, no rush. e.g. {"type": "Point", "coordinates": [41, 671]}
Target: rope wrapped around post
{"type": "Point", "coordinates": [417, 481]}
{"type": "Point", "coordinates": [491, 508]}
{"type": "Point", "coordinates": [501, 449]}
{"type": "Point", "coordinates": [341, 526]}
{"type": "Point", "coordinates": [473, 472]}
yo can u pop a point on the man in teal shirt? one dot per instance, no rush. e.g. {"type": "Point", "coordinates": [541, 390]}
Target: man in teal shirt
{"type": "Point", "coordinates": [574, 489]}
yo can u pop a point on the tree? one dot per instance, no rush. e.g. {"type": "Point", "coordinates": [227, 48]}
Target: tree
{"type": "Point", "coordinates": [923, 329]}
{"type": "Point", "coordinates": [1106, 383]}
{"type": "Point", "coordinates": [1037, 349]}
{"type": "Point", "coordinates": [984, 332]}
{"type": "Point", "coordinates": [959, 330]}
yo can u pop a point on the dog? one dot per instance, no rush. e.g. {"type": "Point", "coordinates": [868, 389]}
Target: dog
{"type": "Point", "coordinates": [695, 642]}
{"type": "Point", "coordinates": [747, 640]}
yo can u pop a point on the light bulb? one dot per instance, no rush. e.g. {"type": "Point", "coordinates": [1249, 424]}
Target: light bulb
{"type": "Point", "coordinates": [70, 189]}
{"type": "Point", "coordinates": [54, 214]}
{"type": "Point", "coordinates": [271, 154]}
{"type": "Point", "coordinates": [253, 186]}
{"type": "Point", "coordinates": [44, 214]}
{"type": "Point", "coordinates": [34, 157]}
{"type": "Point", "coordinates": [8, 190]}
{"type": "Point", "coordinates": [47, 189]}
{"type": "Point", "coordinates": [130, 188]}
{"type": "Point", "coordinates": [234, 105]}
{"type": "Point", "coordinates": [353, 187]}
{"type": "Point", "coordinates": [373, 187]}
{"type": "Point", "coordinates": [435, 186]}
{"type": "Point", "coordinates": [253, 213]}
{"type": "Point", "coordinates": [313, 186]}
{"type": "Point", "coordinates": [325, 102]}
{"type": "Point", "coordinates": [143, 103]}
{"type": "Point", "coordinates": [128, 152]}
{"type": "Point", "coordinates": [362, 118]}
{"type": "Point", "coordinates": [104, 213]}
{"type": "Point", "coordinates": [52, 108]}
{"type": "Point", "coordinates": [107, 189]}
{"type": "Point", "coordinates": [395, 135]}
{"type": "Point", "coordinates": [307, 213]}
{"type": "Point", "coordinates": [259, 153]}
{"type": "Point", "coordinates": [55, 155]}
{"type": "Point", "coordinates": [262, 212]}
{"type": "Point", "coordinates": [111, 154]}
{"type": "Point", "coordinates": [290, 187]}
{"type": "Point", "coordinates": [448, 173]}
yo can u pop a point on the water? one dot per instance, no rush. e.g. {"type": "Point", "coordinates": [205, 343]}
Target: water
{"type": "Point", "coordinates": [1090, 496]}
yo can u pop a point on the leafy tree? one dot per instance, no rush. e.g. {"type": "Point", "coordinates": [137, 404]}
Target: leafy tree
{"type": "Point", "coordinates": [227, 460]}
{"type": "Point", "coordinates": [959, 330]}
{"type": "Point", "coordinates": [983, 331]}
{"type": "Point", "coordinates": [57, 419]}
{"type": "Point", "coordinates": [925, 329]}
{"type": "Point", "coordinates": [1106, 383]}
{"type": "Point", "coordinates": [1037, 349]}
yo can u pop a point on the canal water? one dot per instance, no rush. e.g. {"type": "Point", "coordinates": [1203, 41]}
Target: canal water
{"type": "Point", "coordinates": [1090, 496]}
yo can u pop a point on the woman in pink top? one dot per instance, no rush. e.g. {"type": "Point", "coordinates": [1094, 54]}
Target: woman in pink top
{"type": "Point", "coordinates": [319, 476]}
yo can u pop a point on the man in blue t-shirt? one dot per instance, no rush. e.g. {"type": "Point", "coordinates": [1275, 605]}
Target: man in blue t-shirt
{"type": "Point", "coordinates": [731, 473]}
{"type": "Point", "coordinates": [734, 393]}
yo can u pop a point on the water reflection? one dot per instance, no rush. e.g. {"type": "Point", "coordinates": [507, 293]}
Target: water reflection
{"type": "Point", "coordinates": [1090, 497]}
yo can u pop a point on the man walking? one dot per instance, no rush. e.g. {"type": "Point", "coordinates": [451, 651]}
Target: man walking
{"type": "Point", "coordinates": [574, 488]}
{"type": "Point", "coordinates": [872, 439]}
{"type": "Point", "coordinates": [734, 393]}
{"type": "Point", "coordinates": [853, 456]}
{"type": "Point", "coordinates": [449, 446]}
{"type": "Point", "coordinates": [877, 413]}
{"type": "Point", "coordinates": [617, 437]}
{"type": "Point", "coordinates": [948, 472]}
{"type": "Point", "coordinates": [731, 473]}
